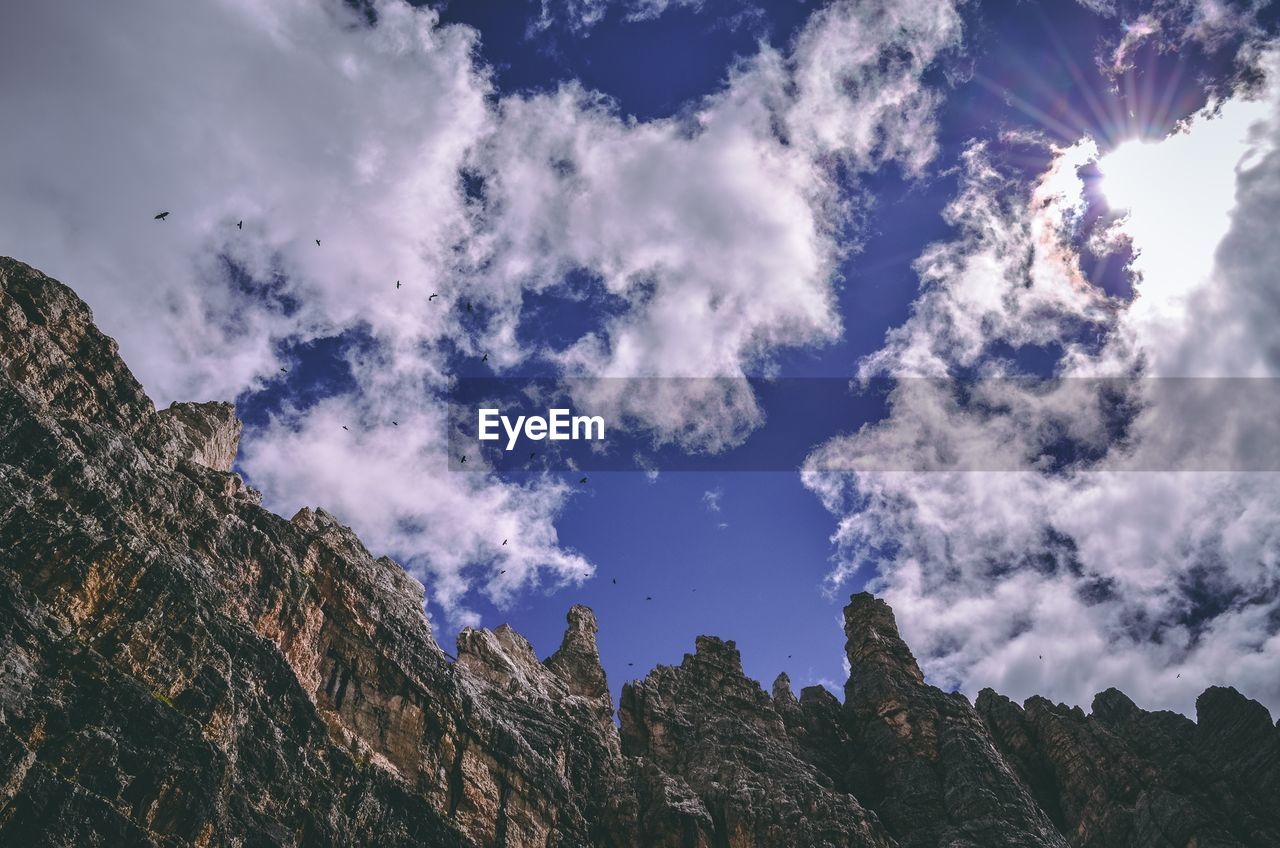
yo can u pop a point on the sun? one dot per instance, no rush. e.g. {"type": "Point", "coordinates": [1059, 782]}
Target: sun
{"type": "Point", "coordinates": [1177, 193]}
{"type": "Point", "coordinates": [1128, 178]}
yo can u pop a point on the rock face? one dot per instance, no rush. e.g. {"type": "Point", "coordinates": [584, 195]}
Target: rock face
{"type": "Point", "coordinates": [924, 759]}
{"type": "Point", "coordinates": [179, 666]}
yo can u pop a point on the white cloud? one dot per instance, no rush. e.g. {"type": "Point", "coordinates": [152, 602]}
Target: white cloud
{"type": "Point", "coordinates": [718, 232]}
{"type": "Point", "coordinates": [580, 16]}
{"type": "Point", "coordinates": [1177, 24]}
{"type": "Point", "coordinates": [1067, 581]}
{"type": "Point", "coordinates": [711, 499]}
{"type": "Point", "coordinates": [289, 116]}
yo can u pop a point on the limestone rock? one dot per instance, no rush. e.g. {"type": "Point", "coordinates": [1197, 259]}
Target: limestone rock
{"type": "Point", "coordinates": [1123, 776]}
{"type": "Point", "coordinates": [179, 666]}
{"type": "Point", "coordinates": [207, 434]}
{"type": "Point", "coordinates": [925, 761]}
{"type": "Point", "coordinates": [716, 730]}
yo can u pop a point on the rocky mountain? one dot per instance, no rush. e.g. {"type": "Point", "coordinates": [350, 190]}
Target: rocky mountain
{"type": "Point", "coordinates": [179, 666]}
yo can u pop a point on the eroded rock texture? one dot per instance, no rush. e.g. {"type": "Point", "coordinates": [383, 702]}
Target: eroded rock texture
{"type": "Point", "coordinates": [179, 666]}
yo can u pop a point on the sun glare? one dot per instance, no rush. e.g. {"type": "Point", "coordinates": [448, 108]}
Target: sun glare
{"type": "Point", "coordinates": [1126, 179]}
{"type": "Point", "coordinates": [1177, 194]}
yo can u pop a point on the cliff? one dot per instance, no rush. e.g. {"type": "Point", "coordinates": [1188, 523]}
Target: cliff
{"type": "Point", "coordinates": [182, 667]}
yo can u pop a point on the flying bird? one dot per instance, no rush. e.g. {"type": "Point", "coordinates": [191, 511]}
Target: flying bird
{"type": "Point", "coordinates": [395, 423]}
{"type": "Point", "coordinates": [344, 426]}
{"type": "Point", "coordinates": [484, 358]}
{"type": "Point", "coordinates": [284, 370]}
{"type": "Point", "coordinates": [583, 480]}
{"type": "Point", "coordinates": [317, 242]}
{"type": "Point", "coordinates": [503, 571]}
{"type": "Point", "coordinates": [240, 225]}
{"type": "Point", "coordinates": [469, 309]}
{"type": "Point", "coordinates": [630, 663]}
{"type": "Point", "coordinates": [504, 541]}
{"type": "Point", "coordinates": [433, 296]}
{"type": "Point", "coordinates": [162, 216]}
{"type": "Point", "coordinates": [615, 581]}
{"type": "Point", "coordinates": [397, 284]}
{"type": "Point", "coordinates": [463, 460]}
{"type": "Point", "coordinates": [649, 597]}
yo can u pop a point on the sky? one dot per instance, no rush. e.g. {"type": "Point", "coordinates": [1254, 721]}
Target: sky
{"type": "Point", "coordinates": [806, 254]}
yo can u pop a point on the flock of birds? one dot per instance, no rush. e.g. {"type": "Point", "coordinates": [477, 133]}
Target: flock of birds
{"type": "Point", "coordinates": [163, 216]}
{"type": "Point", "coordinates": [485, 358]}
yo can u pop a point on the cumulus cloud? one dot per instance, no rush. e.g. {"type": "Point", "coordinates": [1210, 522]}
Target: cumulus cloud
{"type": "Point", "coordinates": [291, 117]}
{"type": "Point", "coordinates": [715, 235]}
{"type": "Point", "coordinates": [1079, 572]}
{"type": "Point", "coordinates": [717, 232]}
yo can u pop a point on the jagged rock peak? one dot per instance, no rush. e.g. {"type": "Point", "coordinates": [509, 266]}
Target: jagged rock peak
{"type": "Point", "coordinates": [873, 639]}
{"type": "Point", "coordinates": [1113, 706]}
{"type": "Point", "coordinates": [713, 651]}
{"type": "Point", "coordinates": [1223, 709]}
{"type": "Point", "coordinates": [781, 690]}
{"type": "Point", "coordinates": [207, 434]}
{"type": "Point", "coordinates": [53, 352]}
{"type": "Point", "coordinates": [818, 695]}
{"type": "Point", "coordinates": [501, 657]}
{"type": "Point", "coordinates": [577, 662]}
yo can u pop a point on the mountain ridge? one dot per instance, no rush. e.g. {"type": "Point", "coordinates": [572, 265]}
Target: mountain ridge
{"type": "Point", "coordinates": [183, 667]}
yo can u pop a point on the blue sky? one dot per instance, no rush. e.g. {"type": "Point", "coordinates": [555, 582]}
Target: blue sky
{"type": "Point", "coordinates": [891, 200]}
{"type": "Point", "coordinates": [760, 579]}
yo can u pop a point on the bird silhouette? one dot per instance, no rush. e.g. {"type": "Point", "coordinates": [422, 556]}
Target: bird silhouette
{"type": "Point", "coordinates": [630, 663]}
{"type": "Point", "coordinates": [583, 480]}
{"type": "Point", "coordinates": [395, 423]}
{"type": "Point", "coordinates": [649, 597]}
{"type": "Point", "coordinates": [484, 358]}
{"type": "Point", "coordinates": [1042, 656]}
{"type": "Point", "coordinates": [503, 571]}
{"type": "Point", "coordinates": [162, 216]}
{"type": "Point", "coordinates": [344, 426]}
{"type": "Point", "coordinates": [317, 242]}
{"type": "Point", "coordinates": [463, 461]}
{"type": "Point", "coordinates": [284, 370]}
{"type": "Point", "coordinates": [469, 309]}
{"type": "Point", "coordinates": [397, 284]}
{"type": "Point", "coordinates": [1179, 675]}
{"type": "Point", "coordinates": [504, 542]}
{"type": "Point", "coordinates": [533, 454]}
{"type": "Point", "coordinates": [240, 225]}
{"type": "Point", "coordinates": [433, 296]}
{"type": "Point", "coordinates": [615, 581]}
{"type": "Point", "coordinates": [788, 656]}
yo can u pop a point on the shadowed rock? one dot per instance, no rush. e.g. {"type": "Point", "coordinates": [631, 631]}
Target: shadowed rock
{"type": "Point", "coordinates": [924, 759]}
{"type": "Point", "coordinates": [179, 666]}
